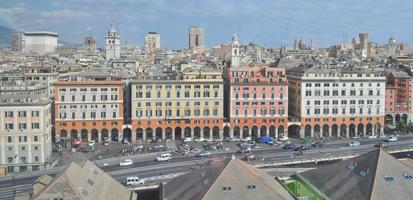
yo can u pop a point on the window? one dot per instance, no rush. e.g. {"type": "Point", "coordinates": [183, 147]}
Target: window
{"type": "Point", "coordinates": [73, 98]}
{"type": "Point", "coordinates": [62, 98]}
{"type": "Point", "coordinates": [370, 92]}
{"type": "Point", "coordinates": [352, 93]}
{"type": "Point", "coordinates": [335, 92]}
{"type": "Point", "coordinates": [9, 139]}
{"type": "Point", "coordinates": [104, 97]}
{"type": "Point", "coordinates": [35, 113]}
{"type": "Point", "coordinates": [35, 125]}
{"type": "Point", "coordinates": [83, 97]}
{"type": "Point", "coordinates": [103, 114]}
{"type": "Point", "coordinates": [93, 97]}
{"type": "Point", "coordinates": [307, 93]}
{"type": "Point", "coordinates": [326, 93]}
{"type": "Point", "coordinates": [343, 93]}
{"type": "Point", "coordinates": [9, 126]}
{"type": "Point", "coordinates": [22, 113]}
{"type": "Point", "coordinates": [8, 114]}
{"type": "Point", "coordinates": [317, 93]}
{"type": "Point", "coordinates": [22, 126]}
{"type": "Point", "coordinates": [35, 138]}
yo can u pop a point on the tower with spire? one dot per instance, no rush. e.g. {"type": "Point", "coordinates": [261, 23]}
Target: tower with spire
{"type": "Point", "coordinates": [235, 51]}
{"type": "Point", "coordinates": [112, 46]}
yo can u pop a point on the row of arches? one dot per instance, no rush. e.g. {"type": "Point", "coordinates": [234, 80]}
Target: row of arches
{"type": "Point", "coordinates": [391, 119]}
{"type": "Point", "coordinates": [335, 130]}
{"type": "Point", "coordinates": [94, 134]}
{"type": "Point", "coordinates": [177, 133]}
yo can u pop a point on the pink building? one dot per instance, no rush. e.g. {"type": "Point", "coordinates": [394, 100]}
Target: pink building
{"type": "Point", "coordinates": [258, 101]}
{"type": "Point", "coordinates": [398, 98]}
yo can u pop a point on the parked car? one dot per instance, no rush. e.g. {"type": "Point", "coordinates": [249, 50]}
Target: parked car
{"type": "Point", "coordinates": [125, 163]}
{"type": "Point", "coordinates": [302, 148]}
{"type": "Point", "coordinates": [199, 139]}
{"type": "Point", "coordinates": [283, 138]}
{"type": "Point", "coordinates": [187, 139]}
{"type": "Point", "coordinates": [265, 139]}
{"type": "Point", "coordinates": [354, 144]}
{"type": "Point", "coordinates": [383, 145]}
{"type": "Point", "coordinates": [105, 143]}
{"type": "Point", "coordinates": [217, 140]}
{"type": "Point", "coordinates": [92, 143]}
{"type": "Point", "coordinates": [203, 154]}
{"type": "Point", "coordinates": [235, 139]}
{"type": "Point", "coordinates": [208, 140]}
{"type": "Point", "coordinates": [392, 139]}
{"type": "Point", "coordinates": [289, 146]}
{"type": "Point", "coordinates": [319, 143]}
{"type": "Point", "coordinates": [164, 157]}
{"type": "Point", "coordinates": [134, 180]}
{"type": "Point", "coordinates": [246, 139]}
{"type": "Point", "coordinates": [196, 150]}
{"type": "Point", "coordinates": [125, 141]}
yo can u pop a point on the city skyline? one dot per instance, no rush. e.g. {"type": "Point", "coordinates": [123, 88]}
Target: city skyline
{"type": "Point", "coordinates": [270, 23]}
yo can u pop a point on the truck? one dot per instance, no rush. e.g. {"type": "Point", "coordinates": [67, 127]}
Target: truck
{"type": "Point", "coordinates": [265, 139]}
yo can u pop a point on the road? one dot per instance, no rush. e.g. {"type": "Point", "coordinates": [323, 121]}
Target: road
{"type": "Point", "coordinates": [154, 172]}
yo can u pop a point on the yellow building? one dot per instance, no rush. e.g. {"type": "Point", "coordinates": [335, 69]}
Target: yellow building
{"type": "Point", "coordinates": [171, 105]}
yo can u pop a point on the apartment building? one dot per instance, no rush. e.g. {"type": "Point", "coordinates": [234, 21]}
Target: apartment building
{"type": "Point", "coordinates": [258, 101]}
{"type": "Point", "coordinates": [336, 102]}
{"type": "Point", "coordinates": [173, 105]}
{"type": "Point", "coordinates": [25, 132]}
{"type": "Point", "coordinates": [89, 107]}
{"type": "Point", "coordinates": [398, 98]}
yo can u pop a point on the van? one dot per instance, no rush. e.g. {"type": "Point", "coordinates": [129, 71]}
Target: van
{"type": "Point", "coordinates": [164, 157]}
{"type": "Point", "coordinates": [134, 180]}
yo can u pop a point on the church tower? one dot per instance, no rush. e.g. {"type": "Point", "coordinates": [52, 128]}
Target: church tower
{"type": "Point", "coordinates": [112, 43]}
{"type": "Point", "coordinates": [235, 51]}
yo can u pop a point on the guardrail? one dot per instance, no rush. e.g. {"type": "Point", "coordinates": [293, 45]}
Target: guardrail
{"type": "Point", "coordinates": [323, 158]}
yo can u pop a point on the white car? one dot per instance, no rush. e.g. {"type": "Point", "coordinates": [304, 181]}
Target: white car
{"type": "Point", "coordinates": [199, 139]}
{"type": "Point", "coordinates": [164, 157]}
{"type": "Point", "coordinates": [234, 139]}
{"type": "Point", "coordinates": [187, 139]}
{"type": "Point", "coordinates": [208, 140]}
{"type": "Point", "coordinates": [392, 139]}
{"type": "Point", "coordinates": [92, 143]}
{"type": "Point", "coordinates": [354, 143]}
{"type": "Point", "coordinates": [125, 163]}
{"type": "Point", "coordinates": [125, 141]}
{"type": "Point", "coordinates": [283, 138]}
{"type": "Point", "coordinates": [247, 139]}
{"type": "Point", "coordinates": [134, 180]}
{"type": "Point", "coordinates": [218, 140]}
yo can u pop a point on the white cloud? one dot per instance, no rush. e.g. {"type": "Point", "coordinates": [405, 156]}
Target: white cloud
{"type": "Point", "coordinates": [65, 14]}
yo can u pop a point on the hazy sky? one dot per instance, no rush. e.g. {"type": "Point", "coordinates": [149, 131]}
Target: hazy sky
{"type": "Point", "coordinates": [267, 22]}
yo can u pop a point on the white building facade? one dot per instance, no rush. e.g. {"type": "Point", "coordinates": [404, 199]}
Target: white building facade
{"type": "Point", "coordinates": [112, 43]}
{"type": "Point", "coordinates": [40, 43]}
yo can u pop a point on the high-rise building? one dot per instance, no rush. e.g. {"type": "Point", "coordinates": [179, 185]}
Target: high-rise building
{"type": "Point", "coordinates": [90, 46]}
{"type": "Point", "coordinates": [196, 38]}
{"type": "Point", "coordinates": [40, 43]}
{"type": "Point", "coordinates": [152, 41]}
{"type": "Point", "coordinates": [112, 43]}
{"type": "Point", "coordinates": [336, 102]}
{"type": "Point", "coordinates": [235, 51]}
{"type": "Point", "coordinates": [17, 41]}
{"type": "Point", "coordinates": [25, 132]}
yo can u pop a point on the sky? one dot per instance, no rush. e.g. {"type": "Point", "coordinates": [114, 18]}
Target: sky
{"type": "Point", "coordinates": [271, 23]}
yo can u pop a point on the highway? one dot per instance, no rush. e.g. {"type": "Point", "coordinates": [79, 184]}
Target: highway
{"type": "Point", "coordinates": [154, 172]}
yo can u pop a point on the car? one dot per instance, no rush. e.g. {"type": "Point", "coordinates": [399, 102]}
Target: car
{"type": "Point", "coordinates": [283, 138]}
{"type": "Point", "coordinates": [203, 154]}
{"type": "Point", "coordinates": [244, 150]}
{"type": "Point", "coordinates": [249, 157]}
{"type": "Point", "coordinates": [289, 146]}
{"type": "Point", "coordinates": [246, 139]}
{"type": "Point", "coordinates": [105, 143]}
{"type": "Point", "coordinates": [196, 150]}
{"type": "Point", "coordinates": [92, 143]}
{"type": "Point", "coordinates": [218, 140]}
{"type": "Point", "coordinates": [319, 143]}
{"type": "Point", "coordinates": [392, 139]}
{"type": "Point", "coordinates": [134, 180]}
{"type": "Point", "coordinates": [383, 145]}
{"type": "Point", "coordinates": [301, 148]}
{"type": "Point", "coordinates": [372, 136]}
{"type": "Point", "coordinates": [164, 157]}
{"type": "Point", "coordinates": [125, 163]}
{"type": "Point", "coordinates": [235, 139]}
{"type": "Point", "coordinates": [201, 139]}
{"type": "Point", "coordinates": [354, 144]}
{"type": "Point", "coordinates": [265, 139]}
{"type": "Point", "coordinates": [125, 141]}
{"type": "Point", "coordinates": [187, 139]}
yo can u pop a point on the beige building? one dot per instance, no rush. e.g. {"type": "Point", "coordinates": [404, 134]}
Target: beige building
{"type": "Point", "coordinates": [196, 38]}
{"type": "Point", "coordinates": [172, 105]}
{"type": "Point", "coordinates": [25, 132]}
{"type": "Point", "coordinates": [152, 41]}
